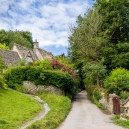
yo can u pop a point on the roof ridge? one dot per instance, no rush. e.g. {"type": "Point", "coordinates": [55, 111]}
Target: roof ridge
{"type": "Point", "coordinates": [7, 50]}
{"type": "Point", "coordinates": [44, 50]}
{"type": "Point", "coordinates": [21, 46]}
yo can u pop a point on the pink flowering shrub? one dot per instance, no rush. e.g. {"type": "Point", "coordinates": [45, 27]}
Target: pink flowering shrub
{"type": "Point", "coordinates": [57, 65]}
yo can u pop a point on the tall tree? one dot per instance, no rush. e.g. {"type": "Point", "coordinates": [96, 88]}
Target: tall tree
{"type": "Point", "coordinates": [3, 46]}
{"type": "Point", "coordinates": [85, 42]}
{"type": "Point", "coordinates": [115, 19]}
{"type": "Point", "coordinates": [23, 38]}
{"type": "Point", "coordinates": [115, 26]}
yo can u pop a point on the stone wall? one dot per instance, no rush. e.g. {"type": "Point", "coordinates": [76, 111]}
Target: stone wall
{"type": "Point", "coordinates": [107, 101]}
{"type": "Point", "coordinates": [31, 88]}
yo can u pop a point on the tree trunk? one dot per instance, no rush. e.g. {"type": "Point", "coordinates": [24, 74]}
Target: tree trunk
{"type": "Point", "coordinates": [97, 79]}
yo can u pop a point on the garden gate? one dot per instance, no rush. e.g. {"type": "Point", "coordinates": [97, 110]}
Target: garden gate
{"type": "Point", "coordinates": [116, 105]}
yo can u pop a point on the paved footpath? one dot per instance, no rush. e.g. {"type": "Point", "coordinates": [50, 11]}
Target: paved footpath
{"type": "Point", "coordinates": [86, 115]}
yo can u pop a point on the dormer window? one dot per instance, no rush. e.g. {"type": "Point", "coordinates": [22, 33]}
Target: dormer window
{"type": "Point", "coordinates": [28, 58]}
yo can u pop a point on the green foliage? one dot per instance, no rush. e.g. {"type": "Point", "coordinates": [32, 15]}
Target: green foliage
{"type": "Point", "coordinates": [124, 95]}
{"type": "Point", "coordinates": [84, 42]}
{"type": "Point", "coordinates": [37, 75]}
{"type": "Point", "coordinates": [1, 64]}
{"type": "Point", "coordinates": [94, 92]}
{"type": "Point", "coordinates": [117, 81]}
{"type": "Point", "coordinates": [115, 19]}
{"type": "Point", "coordinates": [2, 80]}
{"type": "Point", "coordinates": [59, 106]}
{"type": "Point", "coordinates": [16, 109]}
{"type": "Point", "coordinates": [3, 84]}
{"type": "Point", "coordinates": [22, 62]}
{"type": "Point", "coordinates": [115, 27]}
{"type": "Point", "coordinates": [65, 61]}
{"type": "Point", "coordinates": [84, 47]}
{"type": "Point", "coordinates": [103, 32]}
{"type": "Point", "coordinates": [116, 117]}
{"type": "Point", "coordinates": [123, 123]}
{"type": "Point", "coordinates": [45, 64]}
{"type": "Point", "coordinates": [116, 55]}
{"type": "Point", "coordinates": [3, 46]}
{"type": "Point", "coordinates": [24, 38]}
{"type": "Point", "coordinates": [15, 76]}
{"type": "Point", "coordinates": [94, 72]}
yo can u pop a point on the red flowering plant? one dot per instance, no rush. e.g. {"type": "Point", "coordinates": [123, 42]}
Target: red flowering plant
{"type": "Point", "coordinates": [57, 65]}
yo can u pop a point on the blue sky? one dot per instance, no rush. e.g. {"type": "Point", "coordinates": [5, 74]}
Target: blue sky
{"type": "Point", "coordinates": [47, 20]}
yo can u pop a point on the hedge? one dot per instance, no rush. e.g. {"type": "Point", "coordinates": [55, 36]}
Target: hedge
{"type": "Point", "coordinates": [17, 75]}
{"type": "Point", "coordinates": [3, 84]}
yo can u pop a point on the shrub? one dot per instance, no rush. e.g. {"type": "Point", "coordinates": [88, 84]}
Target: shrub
{"type": "Point", "coordinates": [57, 65]}
{"type": "Point", "coordinates": [45, 64]}
{"type": "Point", "coordinates": [2, 82]}
{"type": "Point", "coordinates": [22, 62]}
{"type": "Point", "coordinates": [15, 75]}
{"type": "Point", "coordinates": [124, 95]}
{"type": "Point", "coordinates": [117, 81]}
{"type": "Point", "coordinates": [39, 76]}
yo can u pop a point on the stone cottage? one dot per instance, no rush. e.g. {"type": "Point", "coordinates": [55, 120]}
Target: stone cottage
{"type": "Point", "coordinates": [18, 52]}
{"type": "Point", "coordinates": [9, 57]}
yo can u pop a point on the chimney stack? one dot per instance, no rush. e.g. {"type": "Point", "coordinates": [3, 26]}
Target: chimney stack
{"type": "Point", "coordinates": [36, 44]}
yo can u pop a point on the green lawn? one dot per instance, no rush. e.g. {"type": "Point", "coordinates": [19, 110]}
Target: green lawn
{"type": "Point", "coordinates": [16, 108]}
{"type": "Point", "coordinates": [59, 109]}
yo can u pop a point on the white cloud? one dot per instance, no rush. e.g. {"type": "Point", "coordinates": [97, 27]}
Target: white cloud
{"type": "Point", "coordinates": [48, 21]}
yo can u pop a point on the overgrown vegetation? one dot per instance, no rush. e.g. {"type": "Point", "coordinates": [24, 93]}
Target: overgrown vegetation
{"type": "Point", "coordinates": [94, 93]}
{"type": "Point", "coordinates": [2, 80]}
{"type": "Point", "coordinates": [16, 75]}
{"type": "Point", "coordinates": [59, 109]}
{"type": "Point", "coordinates": [124, 123]}
{"type": "Point", "coordinates": [44, 64]}
{"type": "Point", "coordinates": [3, 46]}
{"type": "Point", "coordinates": [3, 84]}
{"type": "Point", "coordinates": [16, 109]}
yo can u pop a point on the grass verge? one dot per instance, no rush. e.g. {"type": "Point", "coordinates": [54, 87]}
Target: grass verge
{"type": "Point", "coordinates": [123, 123]}
{"type": "Point", "coordinates": [16, 108]}
{"type": "Point", "coordinates": [59, 109]}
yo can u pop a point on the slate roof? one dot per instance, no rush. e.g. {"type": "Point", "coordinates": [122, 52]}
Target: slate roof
{"type": "Point", "coordinates": [23, 51]}
{"type": "Point", "coordinates": [45, 53]}
{"type": "Point", "coordinates": [9, 57]}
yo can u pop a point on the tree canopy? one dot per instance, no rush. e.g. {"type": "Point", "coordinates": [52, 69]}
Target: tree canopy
{"type": "Point", "coordinates": [23, 38]}
{"type": "Point", "coordinates": [99, 42]}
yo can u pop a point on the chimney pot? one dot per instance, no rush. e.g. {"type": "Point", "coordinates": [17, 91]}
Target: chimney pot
{"type": "Point", "coordinates": [36, 44]}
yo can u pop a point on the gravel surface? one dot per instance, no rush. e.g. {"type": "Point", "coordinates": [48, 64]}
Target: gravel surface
{"type": "Point", "coordinates": [40, 115]}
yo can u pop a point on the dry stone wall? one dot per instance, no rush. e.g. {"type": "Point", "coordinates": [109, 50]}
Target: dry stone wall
{"type": "Point", "coordinates": [31, 88]}
{"type": "Point", "coordinates": [107, 101]}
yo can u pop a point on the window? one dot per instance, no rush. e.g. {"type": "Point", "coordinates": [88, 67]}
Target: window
{"type": "Point", "coordinates": [28, 59]}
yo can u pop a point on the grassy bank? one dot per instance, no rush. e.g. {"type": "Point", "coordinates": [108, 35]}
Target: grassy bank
{"type": "Point", "coordinates": [59, 109]}
{"type": "Point", "coordinates": [123, 123]}
{"type": "Point", "coordinates": [16, 108]}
